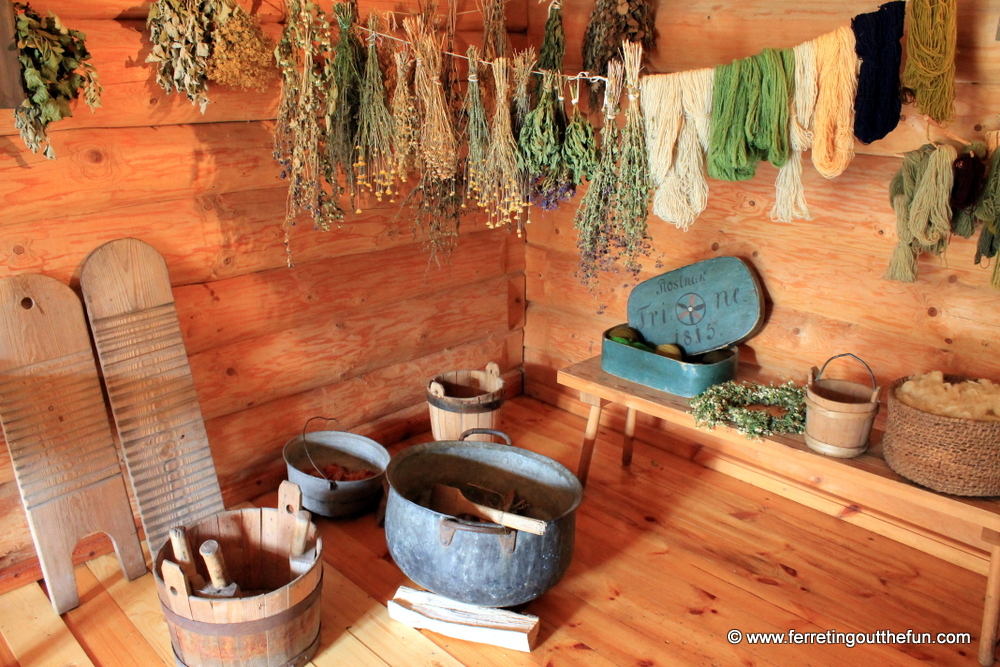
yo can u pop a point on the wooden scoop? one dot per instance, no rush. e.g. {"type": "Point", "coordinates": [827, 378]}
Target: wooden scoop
{"type": "Point", "coordinates": [219, 585]}
{"type": "Point", "coordinates": [449, 500]}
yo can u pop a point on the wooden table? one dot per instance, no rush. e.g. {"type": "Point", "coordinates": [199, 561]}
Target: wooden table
{"type": "Point", "coordinates": [866, 479]}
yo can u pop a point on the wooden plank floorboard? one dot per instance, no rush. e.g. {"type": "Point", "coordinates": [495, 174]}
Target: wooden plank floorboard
{"type": "Point", "coordinates": [669, 557]}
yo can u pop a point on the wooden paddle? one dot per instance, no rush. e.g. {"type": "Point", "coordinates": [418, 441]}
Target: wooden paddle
{"type": "Point", "coordinates": [449, 500]}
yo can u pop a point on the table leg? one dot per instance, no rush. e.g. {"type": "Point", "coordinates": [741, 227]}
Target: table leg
{"type": "Point", "coordinates": [629, 436]}
{"type": "Point", "coordinates": [991, 609]}
{"type": "Point", "coordinates": [589, 436]}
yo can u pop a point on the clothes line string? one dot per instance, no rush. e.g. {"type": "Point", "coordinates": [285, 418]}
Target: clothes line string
{"type": "Point", "coordinates": [581, 76]}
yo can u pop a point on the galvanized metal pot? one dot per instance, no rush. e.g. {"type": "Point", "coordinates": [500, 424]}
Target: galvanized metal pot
{"type": "Point", "coordinates": [330, 498]}
{"type": "Point", "coordinates": [472, 562]}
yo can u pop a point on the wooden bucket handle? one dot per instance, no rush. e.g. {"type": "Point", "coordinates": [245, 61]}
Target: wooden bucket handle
{"type": "Point", "coordinates": [493, 369]}
{"type": "Point", "coordinates": [436, 388]}
{"type": "Point", "coordinates": [289, 505]}
{"type": "Point", "coordinates": [875, 388]}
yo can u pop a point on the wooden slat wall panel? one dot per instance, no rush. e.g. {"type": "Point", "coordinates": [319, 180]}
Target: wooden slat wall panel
{"type": "Point", "coordinates": [823, 277]}
{"type": "Point", "coordinates": [353, 331]}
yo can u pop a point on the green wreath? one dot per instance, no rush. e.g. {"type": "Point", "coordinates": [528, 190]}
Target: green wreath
{"type": "Point", "coordinates": [729, 404]}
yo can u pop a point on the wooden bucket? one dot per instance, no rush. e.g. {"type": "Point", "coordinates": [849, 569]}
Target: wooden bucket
{"type": "Point", "coordinates": [839, 414]}
{"type": "Point", "coordinates": [463, 400]}
{"type": "Point", "coordinates": [275, 621]}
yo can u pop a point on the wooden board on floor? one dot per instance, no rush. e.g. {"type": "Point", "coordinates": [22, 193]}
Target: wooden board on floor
{"type": "Point", "coordinates": [36, 635]}
{"type": "Point", "coordinates": [138, 337]}
{"type": "Point", "coordinates": [56, 427]}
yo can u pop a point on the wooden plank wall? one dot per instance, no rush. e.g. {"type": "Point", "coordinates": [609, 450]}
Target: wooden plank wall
{"type": "Point", "coordinates": [353, 331]}
{"type": "Point", "coordinates": [823, 277]}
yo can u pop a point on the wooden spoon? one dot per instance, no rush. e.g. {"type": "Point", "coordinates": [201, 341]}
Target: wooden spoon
{"type": "Point", "coordinates": [449, 500]}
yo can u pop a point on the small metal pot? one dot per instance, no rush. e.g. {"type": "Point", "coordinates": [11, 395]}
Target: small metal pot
{"type": "Point", "coordinates": [473, 562]}
{"type": "Point", "coordinates": [327, 497]}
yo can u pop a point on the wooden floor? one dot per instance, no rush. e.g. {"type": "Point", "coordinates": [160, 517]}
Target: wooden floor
{"type": "Point", "coordinates": [669, 558]}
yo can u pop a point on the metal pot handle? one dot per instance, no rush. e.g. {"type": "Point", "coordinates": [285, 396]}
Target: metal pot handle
{"type": "Point", "coordinates": [448, 526]}
{"type": "Point", "coordinates": [847, 354]}
{"type": "Point", "coordinates": [487, 431]}
{"type": "Point", "coordinates": [305, 447]}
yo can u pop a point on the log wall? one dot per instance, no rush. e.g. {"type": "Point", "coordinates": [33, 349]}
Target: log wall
{"type": "Point", "coordinates": [353, 331]}
{"type": "Point", "coordinates": [823, 277]}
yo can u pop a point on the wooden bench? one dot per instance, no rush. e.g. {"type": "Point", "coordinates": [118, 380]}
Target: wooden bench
{"type": "Point", "coordinates": [963, 530]}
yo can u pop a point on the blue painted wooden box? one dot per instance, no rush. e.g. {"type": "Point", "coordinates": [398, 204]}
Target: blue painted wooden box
{"type": "Point", "coordinates": [710, 305]}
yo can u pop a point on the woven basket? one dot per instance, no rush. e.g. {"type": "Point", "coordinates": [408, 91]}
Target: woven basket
{"type": "Point", "coordinates": [946, 454]}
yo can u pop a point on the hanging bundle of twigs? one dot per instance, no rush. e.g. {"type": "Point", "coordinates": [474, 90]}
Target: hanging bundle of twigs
{"type": "Point", "coordinates": [611, 23]}
{"type": "Point", "coordinates": [541, 144]}
{"type": "Point", "coordinates": [242, 55]}
{"type": "Point", "coordinates": [502, 193]}
{"type": "Point", "coordinates": [308, 96]}
{"type": "Point", "coordinates": [438, 144]}
{"type": "Point", "coordinates": [477, 130]}
{"type": "Point", "coordinates": [634, 182]}
{"type": "Point", "coordinates": [405, 118]}
{"type": "Point", "coordinates": [347, 59]}
{"type": "Point", "coordinates": [594, 219]}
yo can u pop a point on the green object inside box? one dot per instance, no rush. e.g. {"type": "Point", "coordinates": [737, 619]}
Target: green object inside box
{"type": "Point", "coordinates": [710, 305]}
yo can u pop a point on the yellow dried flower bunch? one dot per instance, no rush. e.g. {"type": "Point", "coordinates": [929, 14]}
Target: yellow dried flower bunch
{"type": "Point", "coordinates": [242, 55]}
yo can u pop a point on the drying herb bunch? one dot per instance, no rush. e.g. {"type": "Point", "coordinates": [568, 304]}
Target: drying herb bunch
{"type": "Point", "coordinates": [375, 168]}
{"type": "Point", "coordinates": [477, 130]}
{"type": "Point", "coordinates": [579, 145]}
{"type": "Point", "coordinates": [503, 185]}
{"type": "Point", "coordinates": [612, 22]}
{"type": "Point", "coordinates": [405, 118]}
{"type": "Point", "coordinates": [594, 219]}
{"type": "Point", "coordinates": [729, 404]}
{"type": "Point", "coordinates": [305, 114]}
{"type": "Point", "coordinates": [54, 69]}
{"type": "Point", "coordinates": [181, 34]}
{"type": "Point", "coordinates": [541, 144]}
{"type": "Point", "coordinates": [633, 192]}
{"type": "Point", "coordinates": [348, 56]}
{"type": "Point", "coordinates": [242, 55]}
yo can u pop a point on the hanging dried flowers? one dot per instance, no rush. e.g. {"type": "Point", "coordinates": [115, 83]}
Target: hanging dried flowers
{"type": "Point", "coordinates": [438, 145]}
{"type": "Point", "coordinates": [503, 185]}
{"type": "Point", "coordinates": [579, 145]}
{"type": "Point", "coordinates": [181, 34]}
{"type": "Point", "coordinates": [594, 220]}
{"type": "Point", "coordinates": [477, 130]}
{"type": "Point", "coordinates": [612, 22]}
{"type": "Point", "coordinates": [375, 169]}
{"type": "Point", "coordinates": [54, 69]}
{"type": "Point", "coordinates": [633, 171]}
{"type": "Point", "coordinates": [405, 118]}
{"type": "Point", "coordinates": [242, 55]}
{"type": "Point", "coordinates": [347, 66]}
{"type": "Point", "coordinates": [308, 96]}
{"type": "Point", "coordinates": [541, 144]}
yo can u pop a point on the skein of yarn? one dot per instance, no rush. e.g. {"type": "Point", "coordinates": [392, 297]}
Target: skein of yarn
{"type": "Point", "coordinates": [970, 175]}
{"type": "Point", "coordinates": [929, 73]}
{"type": "Point", "coordinates": [988, 210]}
{"type": "Point", "coordinates": [837, 73]}
{"type": "Point", "coordinates": [878, 104]}
{"type": "Point", "coordinates": [750, 109]}
{"type": "Point", "coordinates": [678, 110]}
{"type": "Point", "coordinates": [903, 264]}
{"type": "Point", "coordinates": [790, 196]}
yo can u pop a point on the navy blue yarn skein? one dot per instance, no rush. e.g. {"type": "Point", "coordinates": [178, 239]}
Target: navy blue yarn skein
{"type": "Point", "coordinates": [878, 102]}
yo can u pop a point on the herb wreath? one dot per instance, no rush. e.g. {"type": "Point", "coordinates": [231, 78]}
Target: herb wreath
{"type": "Point", "coordinates": [729, 404]}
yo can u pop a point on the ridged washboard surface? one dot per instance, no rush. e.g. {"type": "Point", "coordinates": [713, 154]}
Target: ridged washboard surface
{"type": "Point", "coordinates": [56, 425]}
{"type": "Point", "coordinates": [131, 309]}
